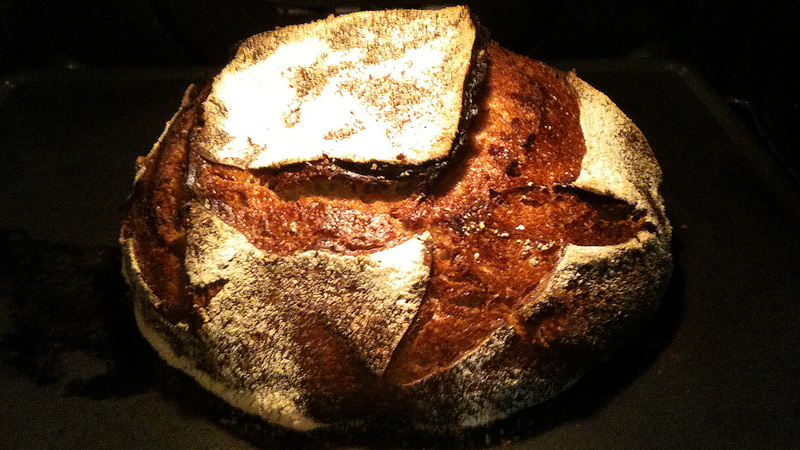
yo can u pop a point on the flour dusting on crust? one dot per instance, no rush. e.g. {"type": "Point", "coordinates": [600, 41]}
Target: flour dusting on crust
{"type": "Point", "coordinates": [276, 398]}
{"type": "Point", "coordinates": [369, 299]}
{"type": "Point", "coordinates": [247, 336]}
{"type": "Point", "coordinates": [374, 86]}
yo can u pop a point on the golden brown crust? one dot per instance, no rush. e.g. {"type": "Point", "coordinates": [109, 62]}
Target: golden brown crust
{"type": "Point", "coordinates": [457, 301]}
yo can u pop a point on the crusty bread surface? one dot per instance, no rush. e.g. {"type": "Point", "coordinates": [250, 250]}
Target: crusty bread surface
{"type": "Point", "coordinates": [310, 291]}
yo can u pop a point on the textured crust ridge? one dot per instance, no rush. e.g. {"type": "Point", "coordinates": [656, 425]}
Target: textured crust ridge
{"type": "Point", "coordinates": [474, 393]}
{"type": "Point", "coordinates": [185, 103]}
{"type": "Point", "coordinates": [367, 87]}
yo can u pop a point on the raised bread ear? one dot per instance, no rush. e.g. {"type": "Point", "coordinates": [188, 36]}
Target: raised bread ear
{"type": "Point", "coordinates": [367, 87]}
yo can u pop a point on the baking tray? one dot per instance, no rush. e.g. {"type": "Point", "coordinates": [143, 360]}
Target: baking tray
{"type": "Point", "coordinates": [718, 367]}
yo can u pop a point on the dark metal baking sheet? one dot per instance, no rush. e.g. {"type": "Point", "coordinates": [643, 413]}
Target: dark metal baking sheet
{"type": "Point", "coordinates": [718, 367]}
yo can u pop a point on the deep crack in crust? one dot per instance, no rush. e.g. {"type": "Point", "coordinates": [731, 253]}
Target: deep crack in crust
{"type": "Point", "coordinates": [477, 350]}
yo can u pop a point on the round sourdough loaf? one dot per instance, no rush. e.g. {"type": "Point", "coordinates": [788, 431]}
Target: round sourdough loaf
{"type": "Point", "coordinates": [387, 214]}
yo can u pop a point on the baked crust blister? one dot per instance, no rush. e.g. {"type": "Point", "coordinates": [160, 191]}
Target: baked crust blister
{"type": "Point", "coordinates": [248, 335]}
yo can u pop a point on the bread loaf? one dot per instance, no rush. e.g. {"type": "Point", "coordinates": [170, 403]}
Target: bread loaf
{"type": "Point", "coordinates": [388, 214]}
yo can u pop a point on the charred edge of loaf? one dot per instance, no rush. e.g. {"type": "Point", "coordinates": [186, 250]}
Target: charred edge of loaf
{"type": "Point", "coordinates": [448, 121]}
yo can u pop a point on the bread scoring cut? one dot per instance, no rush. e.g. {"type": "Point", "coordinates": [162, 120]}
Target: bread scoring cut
{"type": "Point", "coordinates": [368, 87]}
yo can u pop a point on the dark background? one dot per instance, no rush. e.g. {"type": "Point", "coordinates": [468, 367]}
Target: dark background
{"type": "Point", "coordinates": [747, 50]}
